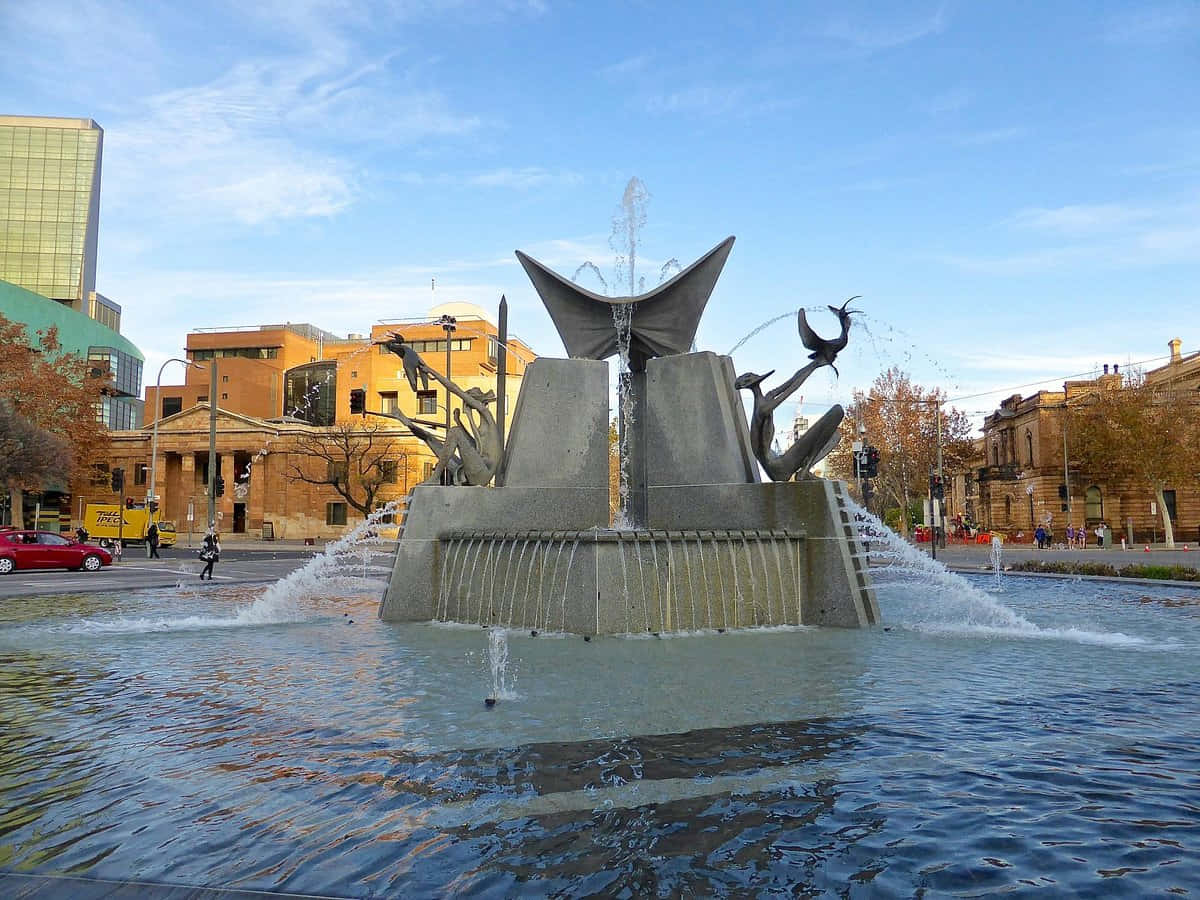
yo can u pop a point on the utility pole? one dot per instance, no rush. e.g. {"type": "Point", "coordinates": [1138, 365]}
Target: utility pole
{"type": "Point", "coordinates": [501, 366]}
{"type": "Point", "coordinates": [212, 443]}
{"type": "Point", "coordinates": [448, 326]}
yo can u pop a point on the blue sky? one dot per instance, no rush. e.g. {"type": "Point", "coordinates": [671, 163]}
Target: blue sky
{"type": "Point", "coordinates": [1013, 188]}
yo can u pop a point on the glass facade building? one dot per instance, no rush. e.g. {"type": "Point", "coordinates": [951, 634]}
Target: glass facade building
{"type": "Point", "coordinates": [50, 206]}
{"type": "Point", "coordinates": [310, 392]}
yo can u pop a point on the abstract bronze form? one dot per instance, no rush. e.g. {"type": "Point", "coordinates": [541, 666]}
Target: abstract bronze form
{"type": "Point", "coordinates": [665, 322]}
{"type": "Point", "coordinates": [816, 443]}
{"type": "Point", "coordinates": [470, 452]}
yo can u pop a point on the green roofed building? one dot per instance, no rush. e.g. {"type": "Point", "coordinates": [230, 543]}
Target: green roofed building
{"type": "Point", "coordinates": [49, 230]}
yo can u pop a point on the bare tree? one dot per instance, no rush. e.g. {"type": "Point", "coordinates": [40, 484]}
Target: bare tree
{"type": "Point", "coordinates": [356, 460]}
{"type": "Point", "coordinates": [28, 452]}
{"type": "Point", "coordinates": [1137, 432]}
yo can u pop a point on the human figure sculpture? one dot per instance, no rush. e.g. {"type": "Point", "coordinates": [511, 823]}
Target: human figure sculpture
{"type": "Point", "coordinates": [411, 359]}
{"type": "Point", "coordinates": [469, 454]}
{"type": "Point", "coordinates": [815, 444]}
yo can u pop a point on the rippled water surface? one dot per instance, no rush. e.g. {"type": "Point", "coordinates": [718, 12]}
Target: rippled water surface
{"type": "Point", "coordinates": [1044, 736]}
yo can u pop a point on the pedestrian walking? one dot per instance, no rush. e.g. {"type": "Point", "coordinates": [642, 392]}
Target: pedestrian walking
{"type": "Point", "coordinates": [210, 552]}
{"type": "Point", "coordinates": [152, 542]}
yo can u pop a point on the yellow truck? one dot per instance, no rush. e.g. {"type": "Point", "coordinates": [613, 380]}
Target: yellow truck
{"type": "Point", "coordinates": [103, 524]}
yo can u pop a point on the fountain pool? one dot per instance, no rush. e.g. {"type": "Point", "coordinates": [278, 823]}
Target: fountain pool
{"type": "Point", "coordinates": [969, 746]}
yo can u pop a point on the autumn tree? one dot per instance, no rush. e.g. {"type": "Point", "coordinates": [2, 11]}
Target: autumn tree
{"type": "Point", "coordinates": [356, 460]}
{"type": "Point", "coordinates": [900, 419]}
{"type": "Point", "coordinates": [56, 392]}
{"type": "Point", "coordinates": [1136, 432]}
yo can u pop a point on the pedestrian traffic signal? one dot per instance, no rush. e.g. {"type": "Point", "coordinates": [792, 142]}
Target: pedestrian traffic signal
{"type": "Point", "coordinates": [218, 486]}
{"type": "Point", "coordinates": [358, 402]}
{"type": "Point", "coordinates": [118, 480]}
{"type": "Point", "coordinates": [153, 506]}
{"type": "Point", "coordinates": [129, 503]}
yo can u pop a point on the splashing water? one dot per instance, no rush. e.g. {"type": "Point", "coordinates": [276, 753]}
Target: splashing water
{"type": "Point", "coordinates": [948, 602]}
{"type": "Point", "coordinates": [623, 322]}
{"type": "Point", "coordinates": [997, 555]}
{"type": "Point", "coordinates": [502, 688]}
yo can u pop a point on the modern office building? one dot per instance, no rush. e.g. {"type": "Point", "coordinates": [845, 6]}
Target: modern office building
{"type": "Point", "coordinates": [49, 231]}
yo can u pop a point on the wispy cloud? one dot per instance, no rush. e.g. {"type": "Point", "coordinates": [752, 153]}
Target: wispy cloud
{"type": "Point", "coordinates": [949, 101]}
{"type": "Point", "coordinates": [632, 65]}
{"type": "Point", "coordinates": [876, 34]}
{"type": "Point", "coordinates": [988, 136]}
{"type": "Point", "coordinates": [1154, 24]}
{"type": "Point", "coordinates": [1080, 219]}
{"type": "Point", "coordinates": [706, 99]}
{"type": "Point", "coordinates": [523, 178]}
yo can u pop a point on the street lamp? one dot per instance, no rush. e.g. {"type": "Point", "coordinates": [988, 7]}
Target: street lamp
{"type": "Point", "coordinates": [152, 484]}
{"type": "Point", "coordinates": [449, 324]}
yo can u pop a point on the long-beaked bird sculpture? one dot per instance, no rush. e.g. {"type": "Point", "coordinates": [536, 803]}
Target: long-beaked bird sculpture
{"type": "Point", "coordinates": [816, 443]}
{"type": "Point", "coordinates": [824, 352]}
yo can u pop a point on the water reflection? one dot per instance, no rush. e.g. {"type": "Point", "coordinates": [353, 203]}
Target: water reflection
{"type": "Point", "coordinates": [316, 756]}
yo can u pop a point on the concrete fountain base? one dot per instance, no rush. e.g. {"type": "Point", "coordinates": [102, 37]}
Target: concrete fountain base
{"type": "Point", "coordinates": [713, 556]}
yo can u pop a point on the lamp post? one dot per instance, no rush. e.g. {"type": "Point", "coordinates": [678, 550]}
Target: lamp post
{"type": "Point", "coordinates": [152, 484]}
{"type": "Point", "coordinates": [449, 324]}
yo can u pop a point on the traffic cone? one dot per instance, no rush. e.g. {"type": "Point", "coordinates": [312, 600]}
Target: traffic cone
{"type": "Point", "coordinates": [1147, 550]}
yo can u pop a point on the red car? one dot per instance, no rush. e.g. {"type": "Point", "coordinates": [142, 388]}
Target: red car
{"type": "Point", "coordinates": [47, 550]}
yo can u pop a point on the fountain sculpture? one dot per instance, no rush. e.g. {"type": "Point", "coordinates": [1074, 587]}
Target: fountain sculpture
{"type": "Point", "coordinates": [702, 543]}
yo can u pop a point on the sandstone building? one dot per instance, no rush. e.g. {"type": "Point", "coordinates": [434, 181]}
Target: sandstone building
{"type": "Point", "coordinates": [1020, 478]}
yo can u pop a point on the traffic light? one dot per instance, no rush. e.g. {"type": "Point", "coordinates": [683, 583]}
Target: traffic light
{"type": "Point", "coordinates": [937, 489]}
{"type": "Point", "coordinates": [872, 468]}
{"type": "Point", "coordinates": [153, 506]}
{"type": "Point", "coordinates": [118, 480]}
{"type": "Point", "coordinates": [129, 503]}
{"type": "Point", "coordinates": [218, 486]}
{"type": "Point", "coordinates": [358, 402]}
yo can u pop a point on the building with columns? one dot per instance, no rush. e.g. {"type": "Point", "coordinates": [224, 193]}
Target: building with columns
{"type": "Point", "coordinates": [283, 389]}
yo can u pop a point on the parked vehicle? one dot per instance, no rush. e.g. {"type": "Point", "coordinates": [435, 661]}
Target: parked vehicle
{"type": "Point", "coordinates": [103, 524]}
{"type": "Point", "coordinates": [46, 550]}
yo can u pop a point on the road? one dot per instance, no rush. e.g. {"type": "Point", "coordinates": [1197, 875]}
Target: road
{"type": "Point", "coordinates": [135, 572]}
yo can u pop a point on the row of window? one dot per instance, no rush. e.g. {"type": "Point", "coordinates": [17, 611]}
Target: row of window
{"type": "Point", "coordinates": [434, 346]}
{"type": "Point", "coordinates": [427, 403]}
{"type": "Point", "coordinates": [235, 353]}
{"type": "Point", "coordinates": [46, 140]}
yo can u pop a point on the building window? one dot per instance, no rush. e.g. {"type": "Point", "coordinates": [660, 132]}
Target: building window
{"type": "Point", "coordinates": [224, 396]}
{"type": "Point", "coordinates": [225, 379]}
{"type": "Point", "coordinates": [429, 467]}
{"type": "Point", "coordinates": [389, 471]}
{"type": "Point", "coordinates": [336, 472]}
{"type": "Point", "coordinates": [100, 474]}
{"type": "Point", "coordinates": [388, 518]}
{"type": "Point", "coordinates": [995, 454]}
{"type": "Point", "coordinates": [171, 406]}
{"type": "Point", "coordinates": [1094, 501]}
{"type": "Point", "coordinates": [354, 373]}
{"type": "Point", "coordinates": [335, 513]}
{"type": "Point", "coordinates": [388, 402]}
{"type": "Point", "coordinates": [1029, 446]}
{"type": "Point", "coordinates": [427, 403]}
{"type": "Point", "coordinates": [139, 473]}
{"type": "Point", "coordinates": [1169, 501]}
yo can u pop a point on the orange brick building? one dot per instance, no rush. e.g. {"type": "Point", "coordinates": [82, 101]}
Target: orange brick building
{"type": "Point", "coordinates": [278, 388]}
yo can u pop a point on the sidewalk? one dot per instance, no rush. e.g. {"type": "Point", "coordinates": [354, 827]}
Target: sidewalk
{"type": "Point", "coordinates": [979, 556]}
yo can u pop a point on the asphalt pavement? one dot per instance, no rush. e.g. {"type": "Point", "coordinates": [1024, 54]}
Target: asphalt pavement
{"type": "Point", "coordinates": [242, 562]}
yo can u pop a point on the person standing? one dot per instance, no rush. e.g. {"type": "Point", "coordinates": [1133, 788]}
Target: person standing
{"type": "Point", "coordinates": [152, 542]}
{"type": "Point", "coordinates": [1040, 536]}
{"type": "Point", "coordinates": [1070, 537]}
{"type": "Point", "coordinates": [1100, 535]}
{"type": "Point", "coordinates": [210, 553]}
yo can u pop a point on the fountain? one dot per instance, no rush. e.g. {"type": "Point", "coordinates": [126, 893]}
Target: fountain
{"type": "Point", "coordinates": [702, 542]}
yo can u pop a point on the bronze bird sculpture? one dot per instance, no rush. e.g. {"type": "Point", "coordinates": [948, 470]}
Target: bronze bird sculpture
{"type": "Point", "coordinates": [824, 352]}
{"type": "Point", "coordinates": [411, 360]}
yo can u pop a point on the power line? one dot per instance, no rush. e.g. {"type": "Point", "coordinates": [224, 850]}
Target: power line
{"type": "Point", "coordinates": [1047, 381]}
